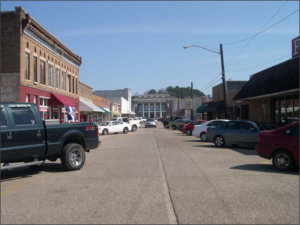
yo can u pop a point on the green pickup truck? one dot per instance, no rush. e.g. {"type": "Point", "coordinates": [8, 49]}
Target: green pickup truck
{"type": "Point", "coordinates": [26, 140]}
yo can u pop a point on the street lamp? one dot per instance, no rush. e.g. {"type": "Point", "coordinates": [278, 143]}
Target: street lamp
{"type": "Point", "coordinates": [223, 69]}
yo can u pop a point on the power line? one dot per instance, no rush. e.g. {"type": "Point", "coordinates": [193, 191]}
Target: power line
{"type": "Point", "coordinates": [211, 81]}
{"type": "Point", "coordinates": [258, 65]}
{"type": "Point", "coordinates": [263, 30]}
{"type": "Point", "coordinates": [211, 85]}
{"type": "Point", "coordinates": [256, 33]}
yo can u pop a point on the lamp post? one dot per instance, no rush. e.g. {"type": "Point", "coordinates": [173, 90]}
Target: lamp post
{"type": "Point", "coordinates": [223, 70]}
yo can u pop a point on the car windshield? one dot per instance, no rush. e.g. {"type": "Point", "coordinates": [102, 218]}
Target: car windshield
{"type": "Point", "coordinates": [105, 124]}
{"type": "Point", "coordinates": [150, 119]}
{"type": "Point", "coordinates": [113, 119]}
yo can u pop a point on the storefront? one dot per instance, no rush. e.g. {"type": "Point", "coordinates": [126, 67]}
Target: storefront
{"type": "Point", "coordinates": [200, 113]}
{"type": "Point", "coordinates": [55, 107]}
{"type": "Point", "coordinates": [106, 114]}
{"type": "Point", "coordinates": [90, 112]}
{"type": "Point", "coordinates": [214, 110]}
{"type": "Point", "coordinates": [273, 94]}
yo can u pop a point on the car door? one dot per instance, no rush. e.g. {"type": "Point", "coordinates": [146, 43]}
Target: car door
{"type": "Point", "coordinates": [290, 139]}
{"type": "Point", "coordinates": [230, 131]}
{"type": "Point", "coordinates": [113, 127]}
{"type": "Point", "coordinates": [119, 127]}
{"type": "Point", "coordinates": [7, 147]}
{"type": "Point", "coordinates": [248, 134]}
{"type": "Point", "coordinates": [28, 133]}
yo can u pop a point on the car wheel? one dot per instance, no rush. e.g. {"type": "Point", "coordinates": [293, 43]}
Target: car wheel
{"type": "Point", "coordinates": [174, 127]}
{"type": "Point", "coordinates": [283, 160]}
{"type": "Point", "coordinates": [105, 132]}
{"type": "Point", "coordinates": [125, 131]}
{"type": "Point", "coordinates": [188, 132]}
{"type": "Point", "coordinates": [203, 137]}
{"type": "Point", "coordinates": [134, 128]}
{"type": "Point", "coordinates": [219, 141]}
{"type": "Point", "coordinates": [73, 157]}
{"type": "Point", "coordinates": [145, 126]}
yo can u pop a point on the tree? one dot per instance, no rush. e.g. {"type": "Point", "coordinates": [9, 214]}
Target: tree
{"type": "Point", "coordinates": [152, 91]}
{"type": "Point", "coordinates": [161, 91]}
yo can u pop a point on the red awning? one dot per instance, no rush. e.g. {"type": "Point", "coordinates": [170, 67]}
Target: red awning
{"type": "Point", "coordinates": [61, 100]}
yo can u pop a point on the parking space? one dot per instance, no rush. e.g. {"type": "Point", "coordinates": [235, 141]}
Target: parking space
{"type": "Point", "coordinates": [125, 181]}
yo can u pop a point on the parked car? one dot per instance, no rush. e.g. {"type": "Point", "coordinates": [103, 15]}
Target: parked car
{"type": "Point", "coordinates": [141, 120]}
{"type": "Point", "coordinates": [281, 145]}
{"type": "Point", "coordinates": [144, 119]}
{"type": "Point", "coordinates": [28, 140]}
{"type": "Point", "coordinates": [200, 130]}
{"type": "Point", "coordinates": [114, 127]}
{"type": "Point", "coordinates": [167, 120]}
{"type": "Point", "coordinates": [135, 124]}
{"type": "Point", "coordinates": [155, 119]}
{"type": "Point", "coordinates": [150, 123]}
{"type": "Point", "coordinates": [175, 124]}
{"type": "Point", "coordinates": [189, 127]}
{"type": "Point", "coordinates": [234, 132]}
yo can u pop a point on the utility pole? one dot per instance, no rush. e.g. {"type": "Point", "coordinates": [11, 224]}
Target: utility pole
{"type": "Point", "coordinates": [223, 77]}
{"type": "Point", "coordinates": [192, 113]}
{"type": "Point", "coordinates": [178, 102]}
{"type": "Point", "coordinates": [170, 107]}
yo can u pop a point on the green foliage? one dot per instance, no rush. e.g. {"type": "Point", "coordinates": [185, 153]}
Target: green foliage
{"type": "Point", "coordinates": [152, 91]}
{"type": "Point", "coordinates": [184, 91]}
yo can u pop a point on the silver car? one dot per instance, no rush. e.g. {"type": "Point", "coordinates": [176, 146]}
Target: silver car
{"type": "Point", "coordinates": [234, 132]}
{"type": "Point", "coordinates": [150, 123]}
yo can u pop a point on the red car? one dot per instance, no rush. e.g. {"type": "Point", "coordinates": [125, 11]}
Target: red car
{"type": "Point", "coordinates": [281, 145]}
{"type": "Point", "coordinates": [189, 127]}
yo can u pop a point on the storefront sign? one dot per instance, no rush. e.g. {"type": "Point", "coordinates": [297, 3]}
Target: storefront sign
{"type": "Point", "coordinates": [189, 104]}
{"type": "Point", "coordinates": [43, 110]}
{"type": "Point", "coordinates": [295, 47]}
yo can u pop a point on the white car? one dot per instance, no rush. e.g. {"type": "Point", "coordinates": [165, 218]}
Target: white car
{"type": "Point", "coordinates": [133, 122]}
{"type": "Point", "coordinates": [109, 127]}
{"type": "Point", "coordinates": [200, 130]}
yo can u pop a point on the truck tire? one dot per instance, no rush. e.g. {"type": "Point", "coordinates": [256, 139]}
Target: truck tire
{"type": "Point", "coordinates": [134, 128]}
{"type": "Point", "coordinates": [73, 157]}
{"type": "Point", "coordinates": [125, 131]}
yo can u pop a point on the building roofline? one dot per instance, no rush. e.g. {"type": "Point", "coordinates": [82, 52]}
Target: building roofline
{"type": "Point", "coordinates": [85, 84]}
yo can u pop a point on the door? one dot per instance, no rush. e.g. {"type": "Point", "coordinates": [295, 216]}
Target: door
{"type": "Point", "coordinates": [230, 131]}
{"type": "Point", "coordinates": [119, 127]}
{"type": "Point", "coordinates": [113, 127]}
{"type": "Point", "coordinates": [7, 148]}
{"type": "Point", "coordinates": [28, 133]}
{"type": "Point", "coordinates": [248, 134]}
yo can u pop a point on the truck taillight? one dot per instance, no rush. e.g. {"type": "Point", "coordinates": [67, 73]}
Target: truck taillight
{"type": "Point", "coordinates": [207, 130]}
{"type": "Point", "coordinates": [97, 130]}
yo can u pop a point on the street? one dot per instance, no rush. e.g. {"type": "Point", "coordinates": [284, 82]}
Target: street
{"type": "Point", "coordinates": [157, 176]}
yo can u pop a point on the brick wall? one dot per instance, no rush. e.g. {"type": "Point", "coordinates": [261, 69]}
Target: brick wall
{"type": "Point", "coordinates": [218, 93]}
{"type": "Point", "coordinates": [230, 96]}
{"type": "Point", "coordinates": [101, 102]}
{"type": "Point", "coordinates": [256, 111]}
{"type": "Point", "coordinates": [85, 91]}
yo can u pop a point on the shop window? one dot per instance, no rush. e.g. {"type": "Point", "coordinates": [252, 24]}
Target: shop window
{"type": "Point", "coordinates": [26, 98]}
{"type": "Point", "coordinates": [44, 109]}
{"type": "Point", "coordinates": [27, 68]}
{"type": "Point", "coordinates": [23, 116]}
{"type": "Point", "coordinates": [34, 99]}
{"type": "Point", "coordinates": [3, 119]}
{"type": "Point", "coordinates": [34, 69]}
{"type": "Point", "coordinates": [42, 72]}
{"type": "Point", "coordinates": [50, 75]}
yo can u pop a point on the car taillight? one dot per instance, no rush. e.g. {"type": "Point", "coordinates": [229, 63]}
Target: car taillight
{"type": "Point", "coordinates": [97, 130]}
{"type": "Point", "coordinates": [259, 140]}
{"type": "Point", "coordinates": [207, 130]}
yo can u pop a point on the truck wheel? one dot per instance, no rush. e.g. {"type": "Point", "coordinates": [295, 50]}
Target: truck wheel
{"type": "Point", "coordinates": [283, 160]}
{"type": "Point", "coordinates": [73, 157]}
{"type": "Point", "coordinates": [134, 128]}
{"type": "Point", "coordinates": [125, 131]}
{"type": "Point", "coordinates": [174, 127]}
{"type": "Point", "coordinates": [105, 131]}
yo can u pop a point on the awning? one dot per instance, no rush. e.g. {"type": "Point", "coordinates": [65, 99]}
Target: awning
{"type": "Point", "coordinates": [61, 100]}
{"type": "Point", "coordinates": [276, 79]}
{"type": "Point", "coordinates": [130, 112]}
{"type": "Point", "coordinates": [88, 106]}
{"type": "Point", "coordinates": [116, 113]}
{"type": "Point", "coordinates": [105, 111]}
{"type": "Point", "coordinates": [215, 106]}
{"type": "Point", "coordinates": [200, 109]}
{"type": "Point", "coordinates": [181, 111]}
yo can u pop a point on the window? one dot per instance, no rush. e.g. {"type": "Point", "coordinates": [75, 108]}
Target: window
{"type": "Point", "coordinates": [73, 84]}
{"type": "Point", "coordinates": [35, 69]}
{"type": "Point", "coordinates": [34, 99]}
{"type": "Point", "coordinates": [27, 71]}
{"type": "Point", "coordinates": [246, 126]}
{"type": "Point", "coordinates": [69, 78]}
{"type": "Point", "coordinates": [114, 123]}
{"type": "Point", "coordinates": [214, 123]}
{"type": "Point", "coordinates": [157, 107]}
{"type": "Point", "coordinates": [43, 102]}
{"type": "Point", "coordinates": [163, 107]}
{"type": "Point", "coordinates": [3, 119]}
{"type": "Point", "coordinates": [120, 123]}
{"type": "Point", "coordinates": [293, 131]}
{"type": "Point", "coordinates": [63, 80]}
{"type": "Point", "coordinates": [27, 44]}
{"type": "Point", "coordinates": [76, 86]}
{"type": "Point", "coordinates": [57, 78]}
{"type": "Point", "coordinates": [42, 72]}
{"type": "Point", "coordinates": [26, 98]}
{"type": "Point", "coordinates": [23, 116]}
{"type": "Point", "coordinates": [146, 107]}
{"type": "Point", "coordinates": [140, 107]}
{"type": "Point", "coordinates": [34, 49]}
{"type": "Point", "coordinates": [40, 52]}
{"type": "Point", "coordinates": [50, 75]}
{"type": "Point", "coordinates": [230, 125]}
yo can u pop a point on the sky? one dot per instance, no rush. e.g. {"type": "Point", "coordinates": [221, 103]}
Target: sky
{"type": "Point", "coordinates": [139, 44]}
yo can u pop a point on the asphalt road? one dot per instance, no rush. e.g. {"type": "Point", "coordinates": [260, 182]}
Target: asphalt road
{"type": "Point", "coordinates": [156, 176]}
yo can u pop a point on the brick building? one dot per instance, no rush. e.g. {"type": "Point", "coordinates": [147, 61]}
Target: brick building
{"type": "Point", "coordinates": [36, 67]}
{"type": "Point", "coordinates": [104, 104]}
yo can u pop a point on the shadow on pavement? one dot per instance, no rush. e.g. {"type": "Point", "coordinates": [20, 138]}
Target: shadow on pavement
{"type": "Point", "coordinates": [265, 168]}
{"type": "Point", "coordinates": [242, 150]}
{"type": "Point", "coordinates": [25, 172]}
{"type": "Point", "coordinates": [192, 141]}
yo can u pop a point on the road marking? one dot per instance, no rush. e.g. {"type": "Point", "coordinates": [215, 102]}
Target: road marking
{"type": "Point", "coordinates": [15, 188]}
{"type": "Point", "coordinates": [266, 162]}
{"type": "Point", "coordinates": [170, 207]}
{"type": "Point", "coordinates": [295, 178]}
